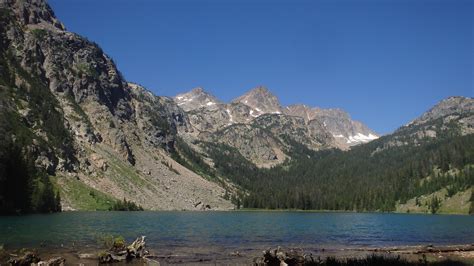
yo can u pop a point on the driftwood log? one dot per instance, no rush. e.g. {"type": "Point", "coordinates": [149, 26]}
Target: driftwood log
{"type": "Point", "coordinates": [58, 261]}
{"type": "Point", "coordinates": [135, 250]}
{"type": "Point", "coordinates": [27, 259]}
{"type": "Point", "coordinates": [32, 258]}
{"type": "Point", "coordinates": [280, 257]}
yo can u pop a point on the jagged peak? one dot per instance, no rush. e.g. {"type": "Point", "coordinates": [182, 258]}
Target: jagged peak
{"type": "Point", "coordinates": [261, 100]}
{"type": "Point", "coordinates": [195, 99]}
{"type": "Point", "coordinates": [33, 12]}
{"type": "Point", "coordinates": [259, 90]}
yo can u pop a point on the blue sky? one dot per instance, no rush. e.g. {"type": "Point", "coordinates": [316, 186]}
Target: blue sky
{"type": "Point", "coordinates": [383, 61]}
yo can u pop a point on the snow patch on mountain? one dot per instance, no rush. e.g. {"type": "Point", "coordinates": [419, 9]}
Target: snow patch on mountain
{"type": "Point", "coordinates": [361, 138]}
{"type": "Point", "coordinates": [196, 99]}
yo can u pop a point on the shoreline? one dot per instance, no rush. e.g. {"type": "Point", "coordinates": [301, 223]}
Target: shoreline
{"type": "Point", "coordinates": [246, 255]}
{"type": "Point", "coordinates": [242, 210]}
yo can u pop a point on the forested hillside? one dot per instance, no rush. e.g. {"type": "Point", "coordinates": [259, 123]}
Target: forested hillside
{"type": "Point", "coordinates": [358, 181]}
{"type": "Point", "coordinates": [371, 177]}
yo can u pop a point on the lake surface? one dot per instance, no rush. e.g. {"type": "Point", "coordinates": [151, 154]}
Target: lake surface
{"type": "Point", "coordinates": [234, 230]}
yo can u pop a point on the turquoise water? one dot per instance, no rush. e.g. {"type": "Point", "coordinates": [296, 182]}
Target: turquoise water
{"type": "Point", "coordinates": [237, 229]}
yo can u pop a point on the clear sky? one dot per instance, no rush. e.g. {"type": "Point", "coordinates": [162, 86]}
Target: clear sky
{"type": "Point", "coordinates": [383, 61]}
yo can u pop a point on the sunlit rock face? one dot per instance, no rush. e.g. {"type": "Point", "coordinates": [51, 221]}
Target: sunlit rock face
{"type": "Point", "coordinates": [261, 101]}
{"type": "Point", "coordinates": [346, 131]}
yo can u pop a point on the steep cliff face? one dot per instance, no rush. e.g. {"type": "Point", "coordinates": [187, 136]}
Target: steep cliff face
{"type": "Point", "coordinates": [159, 119]}
{"type": "Point", "coordinates": [84, 122]}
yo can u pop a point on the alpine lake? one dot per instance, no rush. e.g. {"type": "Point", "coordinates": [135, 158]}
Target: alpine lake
{"type": "Point", "coordinates": [234, 236]}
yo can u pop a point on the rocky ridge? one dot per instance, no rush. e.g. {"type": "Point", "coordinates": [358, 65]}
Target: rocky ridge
{"type": "Point", "coordinates": [260, 128]}
{"type": "Point", "coordinates": [451, 108]}
{"type": "Point", "coordinates": [453, 116]}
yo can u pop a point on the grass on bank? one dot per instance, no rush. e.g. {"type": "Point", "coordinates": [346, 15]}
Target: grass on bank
{"type": "Point", "coordinates": [83, 197]}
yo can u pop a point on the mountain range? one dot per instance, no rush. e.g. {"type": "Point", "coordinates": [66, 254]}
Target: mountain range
{"type": "Point", "coordinates": [76, 133]}
{"type": "Point", "coordinates": [259, 114]}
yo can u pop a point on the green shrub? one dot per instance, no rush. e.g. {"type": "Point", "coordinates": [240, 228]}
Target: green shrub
{"type": "Point", "coordinates": [119, 243]}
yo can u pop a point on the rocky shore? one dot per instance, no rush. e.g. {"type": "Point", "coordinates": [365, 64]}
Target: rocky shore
{"type": "Point", "coordinates": [137, 253]}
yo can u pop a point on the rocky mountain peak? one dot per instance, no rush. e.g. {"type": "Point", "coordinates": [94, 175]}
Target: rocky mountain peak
{"type": "Point", "coordinates": [346, 131]}
{"type": "Point", "coordinates": [195, 99]}
{"type": "Point", "coordinates": [452, 105]}
{"type": "Point", "coordinates": [33, 12]}
{"type": "Point", "coordinates": [261, 101]}
{"type": "Point", "coordinates": [260, 89]}
{"type": "Point", "coordinates": [338, 122]}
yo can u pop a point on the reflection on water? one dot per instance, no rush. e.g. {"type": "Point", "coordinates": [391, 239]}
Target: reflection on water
{"type": "Point", "coordinates": [238, 229]}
